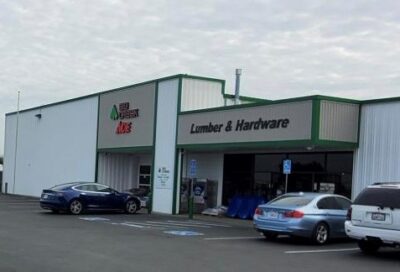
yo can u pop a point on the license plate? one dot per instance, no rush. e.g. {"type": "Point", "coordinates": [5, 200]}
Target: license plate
{"type": "Point", "coordinates": [272, 214]}
{"type": "Point", "coordinates": [378, 216]}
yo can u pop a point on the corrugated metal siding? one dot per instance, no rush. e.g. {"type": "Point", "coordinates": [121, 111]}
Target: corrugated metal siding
{"type": "Point", "coordinates": [119, 171]}
{"type": "Point", "coordinates": [201, 94]}
{"type": "Point", "coordinates": [339, 121]}
{"type": "Point", "coordinates": [378, 157]}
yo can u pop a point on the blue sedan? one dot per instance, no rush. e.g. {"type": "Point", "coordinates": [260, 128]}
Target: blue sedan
{"type": "Point", "coordinates": [312, 215]}
{"type": "Point", "coordinates": [77, 197]}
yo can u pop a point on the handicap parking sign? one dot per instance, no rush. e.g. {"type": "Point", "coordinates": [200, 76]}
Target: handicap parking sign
{"type": "Point", "coordinates": [287, 167]}
{"type": "Point", "coordinates": [193, 168]}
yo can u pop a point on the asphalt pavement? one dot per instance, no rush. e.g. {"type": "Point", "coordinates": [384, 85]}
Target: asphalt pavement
{"type": "Point", "coordinates": [32, 239]}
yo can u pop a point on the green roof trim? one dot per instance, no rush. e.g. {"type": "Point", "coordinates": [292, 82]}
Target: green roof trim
{"type": "Point", "coordinates": [273, 145]}
{"type": "Point", "coordinates": [272, 102]}
{"type": "Point", "coordinates": [119, 89]}
{"type": "Point", "coordinates": [246, 98]}
{"type": "Point", "coordinates": [382, 100]}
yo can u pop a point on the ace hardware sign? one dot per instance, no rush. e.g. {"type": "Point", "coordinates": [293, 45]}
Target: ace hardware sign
{"type": "Point", "coordinates": [124, 115]}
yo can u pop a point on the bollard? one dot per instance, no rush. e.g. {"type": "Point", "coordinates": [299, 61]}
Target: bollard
{"type": "Point", "coordinates": [149, 203]}
{"type": "Point", "coordinates": [190, 204]}
{"type": "Point", "coordinates": [5, 188]}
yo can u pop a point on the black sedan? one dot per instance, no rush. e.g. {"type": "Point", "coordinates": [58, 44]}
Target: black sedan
{"type": "Point", "coordinates": [77, 197]}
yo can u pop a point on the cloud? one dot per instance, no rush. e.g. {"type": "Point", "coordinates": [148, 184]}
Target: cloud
{"type": "Point", "coordinates": [56, 50]}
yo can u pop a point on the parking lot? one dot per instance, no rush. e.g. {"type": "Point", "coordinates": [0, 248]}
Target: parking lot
{"type": "Point", "coordinates": [32, 239]}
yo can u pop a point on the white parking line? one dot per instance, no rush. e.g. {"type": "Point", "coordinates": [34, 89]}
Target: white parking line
{"type": "Point", "coordinates": [147, 225]}
{"type": "Point", "coordinates": [201, 223]}
{"type": "Point", "coordinates": [20, 203]}
{"type": "Point", "coordinates": [233, 238]}
{"type": "Point", "coordinates": [132, 225]}
{"type": "Point", "coordinates": [177, 224]}
{"type": "Point", "coordinates": [94, 218]}
{"type": "Point", "coordinates": [321, 250]}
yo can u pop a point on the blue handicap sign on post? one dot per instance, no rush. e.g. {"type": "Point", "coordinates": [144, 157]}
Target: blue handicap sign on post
{"type": "Point", "coordinates": [287, 167]}
{"type": "Point", "coordinates": [193, 168]}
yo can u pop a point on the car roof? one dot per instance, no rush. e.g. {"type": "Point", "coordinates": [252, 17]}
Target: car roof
{"type": "Point", "coordinates": [388, 185]}
{"type": "Point", "coordinates": [310, 194]}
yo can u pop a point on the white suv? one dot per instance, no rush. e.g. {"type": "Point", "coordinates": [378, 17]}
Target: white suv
{"type": "Point", "coordinates": [374, 217]}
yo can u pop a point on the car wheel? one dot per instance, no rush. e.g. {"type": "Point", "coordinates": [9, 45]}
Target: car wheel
{"type": "Point", "coordinates": [76, 207]}
{"type": "Point", "coordinates": [368, 247]}
{"type": "Point", "coordinates": [321, 234]}
{"type": "Point", "coordinates": [55, 211]}
{"type": "Point", "coordinates": [270, 235]}
{"type": "Point", "coordinates": [131, 206]}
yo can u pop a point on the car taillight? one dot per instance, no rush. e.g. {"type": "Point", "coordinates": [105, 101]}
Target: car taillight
{"type": "Point", "coordinates": [348, 216]}
{"type": "Point", "coordinates": [293, 214]}
{"type": "Point", "coordinates": [258, 211]}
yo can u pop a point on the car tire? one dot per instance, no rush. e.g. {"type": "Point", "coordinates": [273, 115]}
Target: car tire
{"type": "Point", "coordinates": [321, 234]}
{"type": "Point", "coordinates": [55, 211]}
{"type": "Point", "coordinates": [270, 235]}
{"type": "Point", "coordinates": [131, 206]}
{"type": "Point", "coordinates": [75, 207]}
{"type": "Point", "coordinates": [368, 247]}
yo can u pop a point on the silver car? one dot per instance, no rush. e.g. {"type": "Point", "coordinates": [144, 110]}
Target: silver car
{"type": "Point", "coordinates": [312, 215]}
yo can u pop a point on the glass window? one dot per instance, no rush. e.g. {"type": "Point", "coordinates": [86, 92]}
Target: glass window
{"type": "Point", "coordinates": [269, 162]}
{"type": "Point", "coordinates": [328, 203]}
{"type": "Point", "coordinates": [339, 162]}
{"type": "Point", "coordinates": [144, 169]}
{"type": "Point", "coordinates": [87, 187]}
{"type": "Point", "coordinates": [382, 197]}
{"type": "Point", "coordinates": [102, 188]}
{"type": "Point", "coordinates": [343, 203]}
{"type": "Point", "coordinates": [62, 186]}
{"type": "Point", "coordinates": [288, 200]}
{"type": "Point", "coordinates": [314, 162]}
{"type": "Point", "coordinates": [144, 176]}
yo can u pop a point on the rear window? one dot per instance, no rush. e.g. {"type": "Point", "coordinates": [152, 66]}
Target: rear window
{"type": "Point", "coordinates": [291, 201]}
{"type": "Point", "coordinates": [383, 197]}
{"type": "Point", "coordinates": [61, 186]}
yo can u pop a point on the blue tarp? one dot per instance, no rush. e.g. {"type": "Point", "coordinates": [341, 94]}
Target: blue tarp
{"type": "Point", "coordinates": [244, 206]}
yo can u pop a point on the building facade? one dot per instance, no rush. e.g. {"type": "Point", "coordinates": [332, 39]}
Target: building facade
{"type": "Point", "coordinates": [157, 135]}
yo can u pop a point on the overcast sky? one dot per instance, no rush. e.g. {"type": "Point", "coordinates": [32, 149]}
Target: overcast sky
{"type": "Point", "coordinates": [56, 50]}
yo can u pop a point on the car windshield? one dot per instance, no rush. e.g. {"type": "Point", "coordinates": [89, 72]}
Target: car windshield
{"type": "Point", "coordinates": [382, 197]}
{"type": "Point", "coordinates": [291, 200]}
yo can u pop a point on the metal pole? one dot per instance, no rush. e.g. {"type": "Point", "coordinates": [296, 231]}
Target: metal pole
{"type": "Point", "coordinates": [191, 200]}
{"type": "Point", "coordinates": [286, 182]}
{"type": "Point", "coordinates": [237, 86]}
{"type": "Point", "coordinates": [16, 143]}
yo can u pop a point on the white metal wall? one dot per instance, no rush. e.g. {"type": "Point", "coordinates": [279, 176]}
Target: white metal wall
{"type": "Point", "coordinates": [165, 146]}
{"type": "Point", "coordinates": [201, 94]}
{"type": "Point", "coordinates": [56, 148]}
{"type": "Point", "coordinates": [121, 171]}
{"type": "Point", "coordinates": [377, 159]}
{"type": "Point", "coordinates": [209, 166]}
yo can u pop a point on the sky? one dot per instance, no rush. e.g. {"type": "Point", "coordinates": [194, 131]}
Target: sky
{"type": "Point", "coordinates": [55, 50]}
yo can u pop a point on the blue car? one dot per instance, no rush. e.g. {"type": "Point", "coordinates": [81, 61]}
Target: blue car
{"type": "Point", "coordinates": [317, 216]}
{"type": "Point", "coordinates": [78, 197]}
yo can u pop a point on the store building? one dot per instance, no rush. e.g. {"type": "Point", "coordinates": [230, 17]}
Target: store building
{"type": "Point", "coordinates": [157, 134]}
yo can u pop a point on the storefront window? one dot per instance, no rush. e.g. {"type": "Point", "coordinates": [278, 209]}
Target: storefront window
{"type": "Point", "coordinates": [261, 174]}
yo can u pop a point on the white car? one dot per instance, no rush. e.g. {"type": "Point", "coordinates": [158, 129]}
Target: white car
{"type": "Point", "coordinates": [374, 217]}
